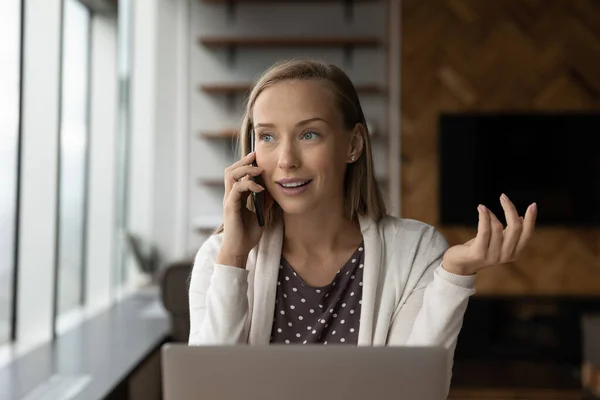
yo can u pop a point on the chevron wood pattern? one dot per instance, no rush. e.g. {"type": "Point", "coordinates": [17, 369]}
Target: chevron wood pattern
{"type": "Point", "coordinates": [481, 55]}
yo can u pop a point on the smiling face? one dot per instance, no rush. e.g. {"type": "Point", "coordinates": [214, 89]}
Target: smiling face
{"type": "Point", "coordinates": [302, 146]}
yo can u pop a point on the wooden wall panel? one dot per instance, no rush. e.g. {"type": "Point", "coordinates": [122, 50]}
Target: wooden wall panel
{"type": "Point", "coordinates": [481, 55]}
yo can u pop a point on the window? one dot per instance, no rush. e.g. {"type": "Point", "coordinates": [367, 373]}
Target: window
{"type": "Point", "coordinates": [73, 156]}
{"type": "Point", "coordinates": [10, 70]}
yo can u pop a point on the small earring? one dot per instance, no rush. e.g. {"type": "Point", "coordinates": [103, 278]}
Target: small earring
{"type": "Point", "coordinates": [352, 158]}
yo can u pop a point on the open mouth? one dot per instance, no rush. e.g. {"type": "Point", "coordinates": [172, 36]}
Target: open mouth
{"type": "Point", "coordinates": [295, 184]}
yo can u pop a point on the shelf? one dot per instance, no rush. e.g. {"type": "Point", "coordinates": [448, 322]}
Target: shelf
{"type": "Point", "coordinates": [347, 43]}
{"type": "Point", "coordinates": [244, 88]}
{"type": "Point", "coordinates": [211, 182]}
{"type": "Point", "coordinates": [229, 134]}
{"type": "Point", "coordinates": [207, 224]}
{"type": "Point", "coordinates": [291, 41]}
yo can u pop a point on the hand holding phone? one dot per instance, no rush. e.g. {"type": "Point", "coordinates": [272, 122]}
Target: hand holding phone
{"type": "Point", "coordinates": [241, 232]}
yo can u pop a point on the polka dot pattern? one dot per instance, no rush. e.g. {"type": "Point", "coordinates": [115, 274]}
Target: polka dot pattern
{"type": "Point", "coordinates": [329, 315]}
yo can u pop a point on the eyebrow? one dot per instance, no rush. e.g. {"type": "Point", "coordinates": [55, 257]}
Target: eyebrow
{"type": "Point", "coordinates": [300, 123]}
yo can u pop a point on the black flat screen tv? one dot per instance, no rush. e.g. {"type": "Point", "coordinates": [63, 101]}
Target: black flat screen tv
{"type": "Point", "coordinates": [552, 159]}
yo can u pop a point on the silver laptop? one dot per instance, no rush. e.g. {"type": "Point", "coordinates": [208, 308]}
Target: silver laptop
{"type": "Point", "coordinates": [301, 372]}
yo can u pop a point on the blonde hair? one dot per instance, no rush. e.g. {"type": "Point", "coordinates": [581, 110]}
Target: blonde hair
{"type": "Point", "coordinates": [362, 195]}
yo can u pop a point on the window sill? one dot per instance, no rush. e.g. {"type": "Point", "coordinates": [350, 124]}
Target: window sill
{"type": "Point", "coordinates": [104, 349]}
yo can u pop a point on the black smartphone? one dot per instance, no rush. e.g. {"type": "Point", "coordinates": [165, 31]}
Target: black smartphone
{"type": "Point", "coordinates": [257, 198]}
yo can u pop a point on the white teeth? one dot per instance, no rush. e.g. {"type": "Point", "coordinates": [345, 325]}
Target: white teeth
{"type": "Point", "coordinates": [293, 185]}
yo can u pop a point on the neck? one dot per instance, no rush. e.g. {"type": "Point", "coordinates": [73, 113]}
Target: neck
{"type": "Point", "coordinates": [319, 232]}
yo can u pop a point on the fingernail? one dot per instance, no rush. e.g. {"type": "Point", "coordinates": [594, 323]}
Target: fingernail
{"type": "Point", "coordinates": [534, 207]}
{"type": "Point", "coordinates": [481, 208]}
{"type": "Point", "coordinates": [504, 197]}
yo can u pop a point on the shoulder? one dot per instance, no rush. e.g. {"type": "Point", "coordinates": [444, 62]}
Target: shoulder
{"type": "Point", "coordinates": [406, 231]}
{"type": "Point", "coordinates": [413, 249]}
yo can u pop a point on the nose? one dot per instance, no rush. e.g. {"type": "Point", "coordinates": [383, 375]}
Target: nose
{"type": "Point", "coordinates": [289, 157]}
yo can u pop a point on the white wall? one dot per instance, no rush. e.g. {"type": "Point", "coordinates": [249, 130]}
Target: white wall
{"type": "Point", "coordinates": [141, 212]}
{"type": "Point", "coordinates": [170, 163]}
{"type": "Point", "coordinates": [143, 165]}
{"type": "Point", "coordinates": [159, 104]}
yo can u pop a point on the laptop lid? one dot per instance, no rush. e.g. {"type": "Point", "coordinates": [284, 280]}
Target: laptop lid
{"type": "Point", "coordinates": [302, 372]}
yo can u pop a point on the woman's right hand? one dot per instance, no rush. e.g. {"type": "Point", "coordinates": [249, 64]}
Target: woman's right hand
{"type": "Point", "coordinates": [241, 230]}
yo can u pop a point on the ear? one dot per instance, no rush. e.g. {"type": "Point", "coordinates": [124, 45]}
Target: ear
{"type": "Point", "coordinates": [357, 143]}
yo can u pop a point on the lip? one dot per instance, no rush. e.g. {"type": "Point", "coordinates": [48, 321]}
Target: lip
{"type": "Point", "coordinates": [286, 181]}
{"type": "Point", "coordinates": [293, 191]}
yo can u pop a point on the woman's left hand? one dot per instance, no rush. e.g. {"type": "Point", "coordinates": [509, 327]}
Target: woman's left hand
{"type": "Point", "coordinates": [493, 244]}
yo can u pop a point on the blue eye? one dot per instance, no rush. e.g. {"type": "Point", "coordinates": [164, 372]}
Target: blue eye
{"type": "Point", "coordinates": [265, 137]}
{"type": "Point", "coordinates": [310, 135]}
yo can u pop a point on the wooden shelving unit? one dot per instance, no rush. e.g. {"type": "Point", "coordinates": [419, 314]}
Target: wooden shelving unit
{"type": "Point", "coordinates": [244, 88]}
{"type": "Point", "coordinates": [227, 45]}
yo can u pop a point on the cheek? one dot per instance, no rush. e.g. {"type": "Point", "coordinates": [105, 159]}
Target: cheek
{"type": "Point", "coordinates": [329, 163]}
{"type": "Point", "coordinates": [268, 162]}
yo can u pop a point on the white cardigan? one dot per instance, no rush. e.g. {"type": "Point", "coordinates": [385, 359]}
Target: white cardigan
{"type": "Point", "coordinates": [408, 298]}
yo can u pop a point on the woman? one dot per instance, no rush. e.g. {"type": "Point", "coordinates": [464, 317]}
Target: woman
{"type": "Point", "coordinates": [330, 266]}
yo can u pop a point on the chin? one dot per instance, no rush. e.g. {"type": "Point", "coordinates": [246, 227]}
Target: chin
{"type": "Point", "coordinates": [296, 206]}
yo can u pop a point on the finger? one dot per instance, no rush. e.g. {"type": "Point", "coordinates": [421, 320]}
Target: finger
{"type": "Point", "coordinates": [246, 160]}
{"type": "Point", "coordinates": [528, 227]}
{"type": "Point", "coordinates": [234, 175]}
{"type": "Point", "coordinates": [513, 229]}
{"type": "Point", "coordinates": [482, 240]}
{"type": "Point", "coordinates": [495, 248]}
{"type": "Point", "coordinates": [240, 191]}
{"type": "Point", "coordinates": [239, 173]}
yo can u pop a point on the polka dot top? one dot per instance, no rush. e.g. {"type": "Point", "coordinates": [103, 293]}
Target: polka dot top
{"type": "Point", "coordinates": [328, 315]}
